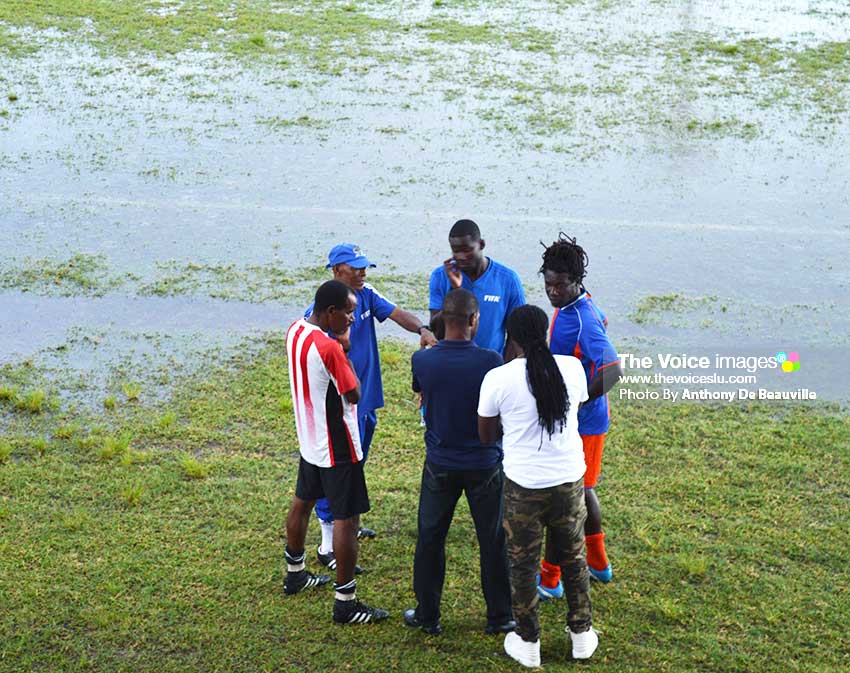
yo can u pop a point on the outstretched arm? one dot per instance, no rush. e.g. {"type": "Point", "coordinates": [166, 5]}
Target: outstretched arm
{"type": "Point", "coordinates": [411, 323]}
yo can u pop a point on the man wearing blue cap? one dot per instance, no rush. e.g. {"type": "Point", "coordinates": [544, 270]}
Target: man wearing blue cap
{"type": "Point", "coordinates": [349, 265]}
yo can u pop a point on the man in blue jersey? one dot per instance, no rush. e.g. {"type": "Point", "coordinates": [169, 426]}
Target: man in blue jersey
{"type": "Point", "coordinates": [349, 266]}
{"type": "Point", "coordinates": [579, 328]}
{"type": "Point", "coordinates": [497, 288]}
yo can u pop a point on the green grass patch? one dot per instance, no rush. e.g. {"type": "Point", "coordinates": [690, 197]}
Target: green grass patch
{"type": "Point", "coordinates": [132, 495]}
{"type": "Point", "coordinates": [719, 561]}
{"type": "Point", "coordinates": [451, 31]}
{"type": "Point", "coordinates": [79, 274]}
{"type": "Point", "coordinates": [31, 401]}
{"type": "Point", "coordinates": [132, 391]}
{"type": "Point", "coordinates": [652, 309]}
{"type": "Point", "coordinates": [193, 468]}
{"type": "Point", "coordinates": [5, 450]}
{"type": "Point", "coordinates": [300, 122]}
{"type": "Point", "coordinates": [39, 445]}
{"type": "Point", "coordinates": [247, 30]}
{"type": "Point", "coordinates": [111, 447]}
{"type": "Point", "coordinates": [8, 393]}
{"type": "Point", "coordinates": [12, 45]}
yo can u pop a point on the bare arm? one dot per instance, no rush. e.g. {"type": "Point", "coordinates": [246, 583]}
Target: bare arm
{"type": "Point", "coordinates": [411, 323]}
{"type": "Point", "coordinates": [353, 395]}
{"type": "Point", "coordinates": [604, 380]}
{"type": "Point", "coordinates": [489, 429]}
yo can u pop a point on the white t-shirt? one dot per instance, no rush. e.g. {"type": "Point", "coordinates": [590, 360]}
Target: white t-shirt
{"type": "Point", "coordinates": [532, 458]}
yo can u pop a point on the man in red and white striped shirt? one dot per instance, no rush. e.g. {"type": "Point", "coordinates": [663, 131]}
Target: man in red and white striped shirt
{"type": "Point", "coordinates": [325, 392]}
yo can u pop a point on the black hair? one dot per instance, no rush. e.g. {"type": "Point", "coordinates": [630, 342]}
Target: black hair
{"type": "Point", "coordinates": [565, 256]}
{"type": "Point", "coordinates": [527, 326]}
{"type": "Point", "coordinates": [331, 293]}
{"type": "Point", "coordinates": [438, 326]}
{"type": "Point", "coordinates": [458, 306]}
{"type": "Point", "coordinates": [463, 228]}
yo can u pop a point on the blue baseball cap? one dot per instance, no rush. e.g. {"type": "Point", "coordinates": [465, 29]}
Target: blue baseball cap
{"type": "Point", "coordinates": [348, 253]}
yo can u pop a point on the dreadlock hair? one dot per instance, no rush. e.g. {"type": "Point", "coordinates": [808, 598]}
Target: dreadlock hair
{"type": "Point", "coordinates": [527, 326]}
{"type": "Point", "coordinates": [565, 256]}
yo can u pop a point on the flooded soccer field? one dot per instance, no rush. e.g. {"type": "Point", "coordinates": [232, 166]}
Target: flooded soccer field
{"type": "Point", "coordinates": [172, 174]}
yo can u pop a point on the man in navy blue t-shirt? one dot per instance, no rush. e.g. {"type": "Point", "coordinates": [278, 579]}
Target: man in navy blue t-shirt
{"type": "Point", "coordinates": [449, 377]}
{"type": "Point", "coordinates": [349, 265]}
{"type": "Point", "coordinates": [497, 288]}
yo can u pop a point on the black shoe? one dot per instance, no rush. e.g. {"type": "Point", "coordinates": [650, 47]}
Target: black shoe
{"type": "Point", "coordinates": [411, 618]}
{"type": "Point", "coordinates": [504, 627]}
{"type": "Point", "coordinates": [365, 533]}
{"type": "Point", "coordinates": [329, 560]}
{"type": "Point", "coordinates": [355, 612]}
{"type": "Point", "coordinates": [303, 579]}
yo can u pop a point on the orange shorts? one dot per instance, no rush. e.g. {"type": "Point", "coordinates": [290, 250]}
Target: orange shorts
{"type": "Point", "coordinates": [592, 458]}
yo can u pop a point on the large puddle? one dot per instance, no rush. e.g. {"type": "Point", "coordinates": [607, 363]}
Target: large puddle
{"type": "Point", "coordinates": [697, 150]}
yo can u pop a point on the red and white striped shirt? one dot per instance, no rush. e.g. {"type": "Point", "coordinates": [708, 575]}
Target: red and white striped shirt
{"type": "Point", "coordinates": [319, 377]}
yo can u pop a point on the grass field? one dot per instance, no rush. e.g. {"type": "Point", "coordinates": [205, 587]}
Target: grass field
{"type": "Point", "coordinates": [148, 537]}
{"type": "Point", "coordinates": [142, 502]}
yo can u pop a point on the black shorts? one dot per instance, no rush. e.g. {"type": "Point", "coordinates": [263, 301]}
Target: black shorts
{"type": "Point", "coordinates": [343, 485]}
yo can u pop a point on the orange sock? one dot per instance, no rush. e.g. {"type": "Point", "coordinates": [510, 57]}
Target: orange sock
{"type": "Point", "coordinates": [596, 557]}
{"type": "Point", "coordinates": [549, 575]}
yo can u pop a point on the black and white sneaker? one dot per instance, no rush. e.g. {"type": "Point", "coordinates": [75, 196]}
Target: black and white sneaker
{"type": "Point", "coordinates": [364, 533]}
{"type": "Point", "coordinates": [303, 579]}
{"type": "Point", "coordinates": [355, 612]}
{"type": "Point", "coordinates": [329, 561]}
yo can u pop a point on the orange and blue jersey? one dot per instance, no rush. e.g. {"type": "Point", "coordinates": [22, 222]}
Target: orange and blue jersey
{"type": "Point", "coordinates": [579, 329]}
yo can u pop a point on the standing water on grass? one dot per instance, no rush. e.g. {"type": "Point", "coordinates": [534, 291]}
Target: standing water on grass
{"type": "Point", "coordinates": [168, 192]}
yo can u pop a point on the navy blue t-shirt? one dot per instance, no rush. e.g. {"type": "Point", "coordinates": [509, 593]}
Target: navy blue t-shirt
{"type": "Point", "coordinates": [449, 376]}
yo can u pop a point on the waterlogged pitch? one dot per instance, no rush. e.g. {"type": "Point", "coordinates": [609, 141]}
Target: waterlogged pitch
{"type": "Point", "coordinates": [172, 176]}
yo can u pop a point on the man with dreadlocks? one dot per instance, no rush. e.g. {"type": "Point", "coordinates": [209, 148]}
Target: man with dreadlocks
{"type": "Point", "coordinates": [579, 328]}
{"type": "Point", "coordinates": [535, 399]}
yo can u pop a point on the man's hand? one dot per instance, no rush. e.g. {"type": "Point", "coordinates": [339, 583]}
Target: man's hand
{"type": "Point", "coordinates": [411, 323]}
{"type": "Point", "coordinates": [453, 273]}
{"type": "Point", "coordinates": [427, 338]}
{"type": "Point", "coordinates": [344, 339]}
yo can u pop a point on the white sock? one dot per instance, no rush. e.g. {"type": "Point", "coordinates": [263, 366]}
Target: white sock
{"type": "Point", "coordinates": [327, 545]}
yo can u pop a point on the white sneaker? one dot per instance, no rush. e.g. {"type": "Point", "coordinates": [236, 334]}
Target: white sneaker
{"type": "Point", "coordinates": [584, 644]}
{"type": "Point", "coordinates": [528, 654]}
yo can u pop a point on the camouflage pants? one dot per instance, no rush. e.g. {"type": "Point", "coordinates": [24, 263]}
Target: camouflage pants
{"type": "Point", "coordinates": [528, 512]}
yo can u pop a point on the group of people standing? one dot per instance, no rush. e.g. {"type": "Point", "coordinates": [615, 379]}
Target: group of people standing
{"type": "Point", "coordinates": [514, 420]}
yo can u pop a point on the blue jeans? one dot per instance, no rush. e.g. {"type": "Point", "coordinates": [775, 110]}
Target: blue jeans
{"type": "Point", "coordinates": [367, 422]}
{"type": "Point", "coordinates": [441, 489]}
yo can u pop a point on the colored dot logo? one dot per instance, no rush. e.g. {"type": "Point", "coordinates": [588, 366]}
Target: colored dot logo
{"type": "Point", "coordinates": [790, 362]}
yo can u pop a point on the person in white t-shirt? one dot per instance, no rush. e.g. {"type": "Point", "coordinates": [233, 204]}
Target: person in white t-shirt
{"type": "Point", "coordinates": [532, 402]}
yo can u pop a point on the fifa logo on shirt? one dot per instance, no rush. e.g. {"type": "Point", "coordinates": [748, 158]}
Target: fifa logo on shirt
{"type": "Point", "coordinates": [492, 297]}
{"type": "Point", "coordinates": [364, 316]}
